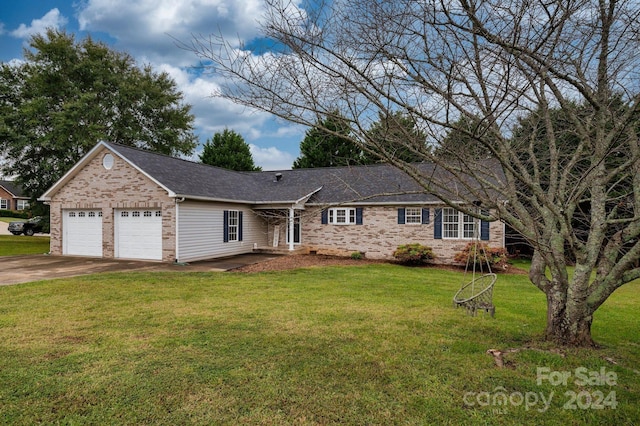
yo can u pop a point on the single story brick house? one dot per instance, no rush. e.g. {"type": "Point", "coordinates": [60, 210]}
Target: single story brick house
{"type": "Point", "coordinates": [12, 197]}
{"type": "Point", "coordinates": [122, 202]}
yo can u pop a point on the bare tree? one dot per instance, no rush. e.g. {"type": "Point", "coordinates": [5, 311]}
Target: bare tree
{"type": "Point", "coordinates": [494, 62]}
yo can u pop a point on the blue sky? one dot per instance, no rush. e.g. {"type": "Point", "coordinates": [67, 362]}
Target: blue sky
{"type": "Point", "coordinates": [145, 29]}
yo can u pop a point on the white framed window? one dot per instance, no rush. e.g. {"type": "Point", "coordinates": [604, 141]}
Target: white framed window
{"type": "Point", "coordinates": [469, 224]}
{"type": "Point", "coordinates": [135, 214]}
{"type": "Point", "coordinates": [23, 204]}
{"type": "Point", "coordinates": [457, 225]}
{"type": "Point", "coordinates": [4, 204]}
{"type": "Point", "coordinates": [342, 216]}
{"type": "Point", "coordinates": [413, 215]}
{"type": "Point", "coordinates": [232, 226]}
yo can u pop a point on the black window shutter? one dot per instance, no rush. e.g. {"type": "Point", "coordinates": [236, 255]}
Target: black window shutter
{"type": "Point", "coordinates": [484, 229]}
{"type": "Point", "coordinates": [225, 226]}
{"type": "Point", "coordinates": [239, 226]}
{"type": "Point", "coordinates": [359, 216]}
{"type": "Point", "coordinates": [401, 216]}
{"type": "Point", "coordinates": [437, 224]}
{"type": "Point", "coordinates": [324, 216]}
{"type": "Point", "coordinates": [425, 217]}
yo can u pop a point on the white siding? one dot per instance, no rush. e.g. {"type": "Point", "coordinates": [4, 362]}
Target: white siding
{"type": "Point", "coordinates": [200, 231]}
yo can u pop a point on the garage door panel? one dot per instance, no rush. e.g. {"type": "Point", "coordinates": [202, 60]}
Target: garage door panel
{"type": "Point", "coordinates": [82, 232]}
{"type": "Point", "coordinates": [139, 234]}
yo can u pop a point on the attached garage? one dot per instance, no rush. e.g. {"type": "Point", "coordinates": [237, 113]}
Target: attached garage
{"type": "Point", "coordinates": [82, 232]}
{"type": "Point", "coordinates": [138, 234]}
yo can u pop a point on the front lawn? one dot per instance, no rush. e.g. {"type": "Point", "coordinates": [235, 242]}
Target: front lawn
{"type": "Point", "coordinates": [374, 344]}
{"type": "Point", "coordinates": [12, 245]}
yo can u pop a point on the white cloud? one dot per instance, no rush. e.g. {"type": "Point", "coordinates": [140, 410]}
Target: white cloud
{"type": "Point", "coordinates": [271, 158]}
{"type": "Point", "coordinates": [150, 27]}
{"type": "Point", "coordinates": [53, 19]}
{"type": "Point", "coordinates": [214, 114]}
{"type": "Point", "coordinates": [148, 30]}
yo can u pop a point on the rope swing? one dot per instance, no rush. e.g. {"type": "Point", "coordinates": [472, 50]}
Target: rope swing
{"type": "Point", "coordinates": [477, 294]}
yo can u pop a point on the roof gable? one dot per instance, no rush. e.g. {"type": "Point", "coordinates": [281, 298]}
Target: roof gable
{"type": "Point", "coordinates": [12, 188]}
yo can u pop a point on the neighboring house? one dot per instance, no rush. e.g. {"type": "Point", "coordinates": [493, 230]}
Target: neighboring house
{"type": "Point", "coordinates": [12, 197]}
{"type": "Point", "coordinates": [121, 202]}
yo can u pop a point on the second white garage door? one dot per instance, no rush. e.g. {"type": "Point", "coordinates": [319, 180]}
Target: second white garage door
{"type": "Point", "coordinates": [138, 234]}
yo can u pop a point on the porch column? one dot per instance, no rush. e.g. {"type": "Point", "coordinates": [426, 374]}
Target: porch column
{"type": "Point", "coordinates": [291, 228]}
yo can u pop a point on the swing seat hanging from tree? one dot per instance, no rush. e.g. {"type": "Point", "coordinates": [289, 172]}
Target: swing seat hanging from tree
{"type": "Point", "coordinates": [477, 294]}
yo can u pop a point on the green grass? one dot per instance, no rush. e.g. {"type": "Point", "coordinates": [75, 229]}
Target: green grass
{"type": "Point", "coordinates": [359, 345]}
{"type": "Point", "coordinates": [10, 219]}
{"type": "Point", "coordinates": [12, 245]}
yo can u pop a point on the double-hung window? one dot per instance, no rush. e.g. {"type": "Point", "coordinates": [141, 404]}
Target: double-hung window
{"type": "Point", "coordinates": [23, 204]}
{"type": "Point", "coordinates": [4, 204]}
{"type": "Point", "coordinates": [232, 226]}
{"type": "Point", "coordinates": [413, 215]}
{"type": "Point", "coordinates": [458, 225]}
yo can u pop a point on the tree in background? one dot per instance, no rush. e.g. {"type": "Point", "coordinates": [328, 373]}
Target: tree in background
{"type": "Point", "coordinates": [461, 141]}
{"type": "Point", "coordinates": [229, 151]}
{"type": "Point", "coordinates": [327, 145]}
{"type": "Point", "coordinates": [445, 64]}
{"type": "Point", "coordinates": [396, 135]}
{"type": "Point", "coordinates": [69, 95]}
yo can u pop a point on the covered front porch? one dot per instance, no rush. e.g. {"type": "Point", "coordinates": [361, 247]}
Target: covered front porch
{"type": "Point", "coordinates": [284, 228]}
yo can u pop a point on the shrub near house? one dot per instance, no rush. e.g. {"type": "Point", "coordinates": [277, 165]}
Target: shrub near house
{"type": "Point", "coordinates": [481, 254]}
{"type": "Point", "coordinates": [413, 254]}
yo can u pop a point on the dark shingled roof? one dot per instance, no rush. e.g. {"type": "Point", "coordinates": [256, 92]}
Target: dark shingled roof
{"type": "Point", "coordinates": [13, 188]}
{"type": "Point", "coordinates": [380, 183]}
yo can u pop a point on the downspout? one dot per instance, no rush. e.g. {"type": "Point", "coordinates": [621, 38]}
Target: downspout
{"type": "Point", "coordinates": [291, 228]}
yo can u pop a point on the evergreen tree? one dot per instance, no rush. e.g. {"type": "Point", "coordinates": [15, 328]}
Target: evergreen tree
{"type": "Point", "coordinates": [69, 95]}
{"type": "Point", "coordinates": [327, 145]}
{"type": "Point", "coordinates": [462, 141]}
{"type": "Point", "coordinates": [395, 136]}
{"type": "Point", "coordinates": [228, 150]}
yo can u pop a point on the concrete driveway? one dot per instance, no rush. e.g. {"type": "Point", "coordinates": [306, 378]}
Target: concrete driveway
{"type": "Point", "coordinates": [27, 268]}
{"type": "Point", "coordinates": [4, 228]}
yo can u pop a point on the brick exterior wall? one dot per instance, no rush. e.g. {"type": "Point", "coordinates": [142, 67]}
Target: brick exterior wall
{"type": "Point", "coordinates": [121, 187]}
{"type": "Point", "coordinates": [378, 236]}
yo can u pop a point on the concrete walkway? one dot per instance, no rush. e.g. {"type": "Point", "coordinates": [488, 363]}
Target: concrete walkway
{"type": "Point", "coordinates": [4, 228]}
{"type": "Point", "coordinates": [27, 268]}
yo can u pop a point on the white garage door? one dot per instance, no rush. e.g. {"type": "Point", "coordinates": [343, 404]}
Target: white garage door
{"type": "Point", "coordinates": [138, 234]}
{"type": "Point", "coordinates": [82, 232]}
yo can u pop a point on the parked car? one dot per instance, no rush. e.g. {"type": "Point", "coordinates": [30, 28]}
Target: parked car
{"type": "Point", "coordinates": [29, 227]}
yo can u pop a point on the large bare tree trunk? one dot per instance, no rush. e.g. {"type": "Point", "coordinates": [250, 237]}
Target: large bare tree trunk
{"type": "Point", "coordinates": [566, 329]}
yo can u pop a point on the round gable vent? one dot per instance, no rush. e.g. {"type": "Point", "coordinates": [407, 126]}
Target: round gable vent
{"type": "Point", "coordinates": [107, 161]}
